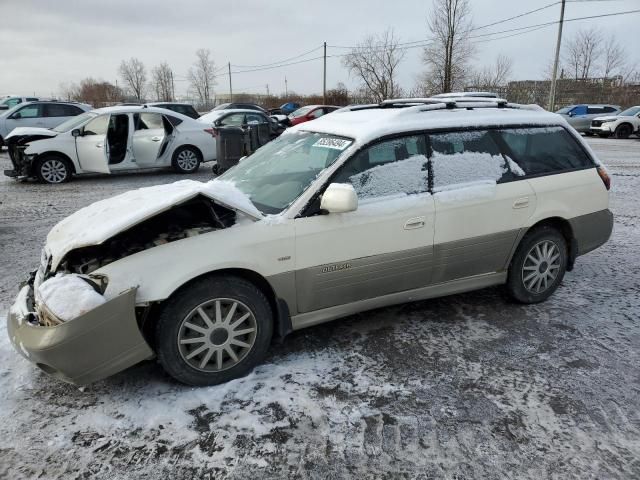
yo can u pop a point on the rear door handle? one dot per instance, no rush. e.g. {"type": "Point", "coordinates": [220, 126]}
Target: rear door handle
{"type": "Point", "coordinates": [156, 139]}
{"type": "Point", "coordinates": [521, 203]}
{"type": "Point", "coordinates": [99, 145]}
{"type": "Point", "coordinates": [415, 222]}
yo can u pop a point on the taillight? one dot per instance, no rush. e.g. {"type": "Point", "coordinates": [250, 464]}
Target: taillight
{"type": "Point", "coordinates": [211, 131]}
{"type": "Point", "coordinates": [606, 179]}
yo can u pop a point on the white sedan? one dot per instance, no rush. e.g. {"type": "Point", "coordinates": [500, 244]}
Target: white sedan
{"type": "Point", "coordinates": [108, 140]}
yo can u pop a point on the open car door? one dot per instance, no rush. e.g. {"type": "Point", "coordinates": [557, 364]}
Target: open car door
{"type": "Point", "coordinates": [92, 147]}
{"type": "Point", "coordinates": [148, 138]}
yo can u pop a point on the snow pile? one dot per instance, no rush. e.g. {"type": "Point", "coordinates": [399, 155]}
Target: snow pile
{"type": "Point", "coordinates": [408, 176]}
{"type": "Point", "coordinates": [69, 296]}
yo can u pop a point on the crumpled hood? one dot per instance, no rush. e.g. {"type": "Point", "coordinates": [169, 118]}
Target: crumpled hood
{"type": "Point", "coordinates": [28, 131]}
{"type": "Point", "coordinates": [102, 220]}
{"type": "Point", "coordinates": [611, 118]}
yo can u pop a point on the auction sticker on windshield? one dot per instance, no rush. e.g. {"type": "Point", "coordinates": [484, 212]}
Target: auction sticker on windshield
{"type": "Point", "coordinates": [335, 143]}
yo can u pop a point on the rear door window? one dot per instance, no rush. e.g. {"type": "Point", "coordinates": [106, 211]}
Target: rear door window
{"type": "Point", "coordinates": [595, 110]}
{"type": "Point", "coordinates": [60, 110]}
{"type": "Point", "coordinates": [544, 150]}
{"type": "Point", "coordinates": [610, 109]}
{"type": "Point", "coordinates": [460, 158]}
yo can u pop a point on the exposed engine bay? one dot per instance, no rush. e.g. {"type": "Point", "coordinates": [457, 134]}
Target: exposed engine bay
{"type": "Point", "coordinates": [16, 146]}
{"type": "Point", "coordinates": [196, 216]}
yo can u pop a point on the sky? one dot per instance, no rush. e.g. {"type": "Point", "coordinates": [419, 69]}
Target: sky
{"type": "Point", "coordinates": [46, 44]}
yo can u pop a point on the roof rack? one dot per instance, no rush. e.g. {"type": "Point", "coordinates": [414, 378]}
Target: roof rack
{"type": "Point", "coordinates": [431, 103]}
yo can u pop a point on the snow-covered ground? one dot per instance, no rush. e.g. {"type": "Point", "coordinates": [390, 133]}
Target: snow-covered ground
{"type": "Point", "coordinates": [468, 386]}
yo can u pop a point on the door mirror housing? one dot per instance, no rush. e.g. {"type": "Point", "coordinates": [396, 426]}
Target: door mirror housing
{"type": "Point", "coordinates": [76, 132]}
{"type": "Point", "coordinates": [16, 116]}
{"type": "Point", "coordinates": [571, 114]}
{"type": "Point", "coordinates": [339, 198]}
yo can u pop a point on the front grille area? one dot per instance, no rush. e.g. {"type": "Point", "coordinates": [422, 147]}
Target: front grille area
{"type": "Point", "coordinates": [596, 123]}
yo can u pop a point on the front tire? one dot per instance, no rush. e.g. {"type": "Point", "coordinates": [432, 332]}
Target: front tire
{"type": "Point", "coordinates": [186, 159]}
{"type": "Point", "coordinates": [623, 131]}
{"type": "Point", "coordinates": [538, 266]}
{"type": "Point", "coordinates": [214, 330]}
{"type": "Point", "coordinates": [53, 169]}
{"type": "Point", "coordinates": [604, 135]}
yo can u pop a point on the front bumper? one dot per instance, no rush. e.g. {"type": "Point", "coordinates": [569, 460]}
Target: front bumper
{"type": "Point", "coordinates": [22, 163]}
{"type": "Point", "coordinates": [93, 346]}
{"type": "Point", "coordinates": [604, 128]}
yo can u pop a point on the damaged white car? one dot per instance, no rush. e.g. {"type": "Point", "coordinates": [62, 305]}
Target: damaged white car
{"type": "Point", "coordinates": [108, 140]}
{"type": "Point", "coordinates": [370, 206]}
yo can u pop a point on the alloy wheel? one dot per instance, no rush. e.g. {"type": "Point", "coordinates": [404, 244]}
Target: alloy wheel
{"type": "Point", "coordinates": [187, 160]}
{"type": "Point", "coordinates": [217, 335]}
{"type": "Point", "coordinates": [53, 171]}
{"type": "Point", "coordinates": [541, 266]}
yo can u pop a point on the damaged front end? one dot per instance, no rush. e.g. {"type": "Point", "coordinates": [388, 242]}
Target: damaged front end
{"type": "Point", "coordinates": [21, 161]}
{"type": "Point", "coordinates": [80, 344]}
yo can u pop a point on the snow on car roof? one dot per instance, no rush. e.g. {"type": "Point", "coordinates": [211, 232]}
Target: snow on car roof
{"type": "Point", "coordinates": [137, 108]}
{"type": "Point", "coordinates": [371, 123]}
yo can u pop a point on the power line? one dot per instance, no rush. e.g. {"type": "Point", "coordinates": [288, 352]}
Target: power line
{"type": "Point", "coordinates": [514, 17]}
{"type": "Point", "coordinates": [280, 61]}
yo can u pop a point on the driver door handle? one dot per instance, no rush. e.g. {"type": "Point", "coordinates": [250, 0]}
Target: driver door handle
{"type": "Point", "coordinates": [99, 145]}
{"type": "Point", "coordinates": [521, 202]}
{"type": "Point", "coordinates": [415, 222]}
{"type": "Point", "coordinates": [156, 139]}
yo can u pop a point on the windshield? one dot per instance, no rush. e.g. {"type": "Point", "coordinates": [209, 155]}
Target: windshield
{"type": "Point", "coordinates": [564, 110]}
{"type": "Point", "coordinates": [301, 111]}
{"type": "Point", "coordinates": [630, 112]}
{"type": "Point", "coordinates": [74, 122]}
{"type": "Point", "coordinates": [276, 174]}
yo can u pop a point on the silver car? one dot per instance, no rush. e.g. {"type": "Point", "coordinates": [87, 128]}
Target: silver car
{"type": "Point", "coordinates": [580, 116]}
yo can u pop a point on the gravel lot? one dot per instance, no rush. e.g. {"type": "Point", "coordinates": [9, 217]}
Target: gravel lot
{"type": "Point", "coordinates": [467, 386]}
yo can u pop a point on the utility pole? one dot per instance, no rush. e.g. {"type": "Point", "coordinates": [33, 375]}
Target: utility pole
{"type": "Point", "coordinates": [324, 76]}
{"type": "Point", "coordinates": [173, 87]}
{"type": "Point", "coordinates": [230, 89]}
{"type": "Point", "coordinates": [552, 91]}
{"type": "Point", "coordinates": [267, 89]}
{"type": "Point", "coordinates": [286, 92]}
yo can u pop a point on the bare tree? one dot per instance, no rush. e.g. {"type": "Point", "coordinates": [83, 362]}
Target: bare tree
{"type": "Point", "coordinates": [449, 50]}
{"type": "Point", "coordinates": [375, 62]}
{"type": "Point", "coordinates": [134, 76]}
{"type": "Point", "coordinates": [582, 53]}
{"type": "Point", "coordinates": [94, 92]}
{"type": "Point", "coordinates": [614, 57]}
{"type": "Point", "coordinates": [162, 82]}
{"type": "Point", "coordinates": [201, 76]}
{"type": "Point", "coordinates": [493, 76]}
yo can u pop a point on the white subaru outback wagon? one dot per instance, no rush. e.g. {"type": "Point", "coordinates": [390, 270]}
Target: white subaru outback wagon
{"type": "Point", "coordinates": [371, 206]}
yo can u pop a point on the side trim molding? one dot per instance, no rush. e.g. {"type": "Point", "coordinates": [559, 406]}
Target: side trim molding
{"type": "Point", "coordinates": [447, 288]}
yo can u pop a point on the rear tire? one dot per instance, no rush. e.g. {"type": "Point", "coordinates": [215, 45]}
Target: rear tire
{"type": "Point", "coordinates": [202, 339]}
{"type": "Point", "coordinates": [538, 266]}
{"type": "Point", "coordinates": [186, 159]}
{"type": "Point", "coordinates": [53, 169]}
{"type": "Point", "coordinates": [624, 131]}
{"type": "Point", "coordinates": [588, 134]}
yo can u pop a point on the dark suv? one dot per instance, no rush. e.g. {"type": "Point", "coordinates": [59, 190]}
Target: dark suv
{"type": "Point", "coordinates": [183, 108]}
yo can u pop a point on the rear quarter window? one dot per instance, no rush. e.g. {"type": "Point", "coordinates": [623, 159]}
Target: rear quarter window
{"type": "Point", "coordinates": [544, 150]}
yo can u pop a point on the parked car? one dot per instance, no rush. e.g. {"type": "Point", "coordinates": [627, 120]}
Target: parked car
{"type": "Point", "coordinates": [621, 125]}
{"type": "Point", "coordinates": [40, 114]}
{"type": "Point", "coordinates": [310, 112]}
{"type": "Point", "coordinates": [183, 108]}
{"type": "Point", "coordinates": [368, 207]}
{"type": "Point", "coordinates": [289, 107]}
{"type": "Point", "coordinates": [110, 140]}
{"type": "Point", "coordinates": [237, 105]}
{"type": "Point", "coordinates": [11, 101]}
{"type": "Point", "coordinates": [242, 118]}
{"type": "Point", "coordinates": [580, 116]}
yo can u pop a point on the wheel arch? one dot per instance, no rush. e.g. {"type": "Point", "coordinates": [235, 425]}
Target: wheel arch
{"type": "Point", "coordinates": [281, 314]}
{"type": "Point", "coordinates": [191, 145]}
{"type": "Point", "coordinates": [57, 153]}
{"type": "Point", "coordinates": [564, 227]}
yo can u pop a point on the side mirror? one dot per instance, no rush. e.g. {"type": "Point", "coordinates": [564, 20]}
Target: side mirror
{"type": "Point", "coordinates": [16, 116]}
{"type": "Point", "coordinates": [76, 132]}
{"type": "Point", "coordinates": [4, 107]}
{"type": "Point", "coordinates": [339, 198]}
{"type": "Point", "coordinates": [571, 114]}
